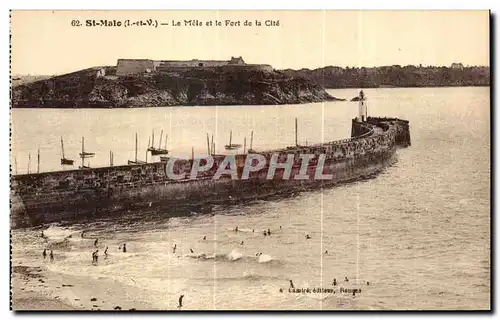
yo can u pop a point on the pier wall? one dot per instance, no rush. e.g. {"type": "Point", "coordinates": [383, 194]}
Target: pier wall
{"type": "Point", "coordinates": [66, 195]}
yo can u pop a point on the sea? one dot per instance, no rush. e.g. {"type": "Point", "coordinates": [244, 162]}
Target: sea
{"type": "Point", "coordinates": [415, 237]}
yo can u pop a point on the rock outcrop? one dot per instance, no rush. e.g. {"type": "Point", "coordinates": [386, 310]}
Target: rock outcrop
{"type": "Point", "coordinates": [198, 86]}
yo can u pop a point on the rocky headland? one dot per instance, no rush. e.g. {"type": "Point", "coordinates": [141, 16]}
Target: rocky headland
{"type": "Point", "coordinates": [88, 88]}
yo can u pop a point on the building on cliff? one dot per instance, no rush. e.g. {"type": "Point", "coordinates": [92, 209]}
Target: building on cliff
{"type": "Point", "coordinates": [127, 67]}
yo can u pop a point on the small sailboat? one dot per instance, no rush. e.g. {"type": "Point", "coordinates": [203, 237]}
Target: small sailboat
{"type": "Point", "coordinates": [84, 155]}
{"type": "Point", "coordinates": [159, 150]}
{"type": "Point", "coordinates": [64, 160]}
{"type": "Point", "coordinates": [232, 146]}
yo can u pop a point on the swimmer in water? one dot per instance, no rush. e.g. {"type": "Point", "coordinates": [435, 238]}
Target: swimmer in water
{"type": "Point", "coordinates": [180, 301]}
{"type": "Point", "coordinates": [308, 237]}
{"type": "Point", "coordinates": [265, 233]}
{"type": "Point", "coordinates": [291, 285]}
{"type": "Point", "coordinates": [43, 236]}
{"type": "Point", "coordinates": [44, 254]}
{"type": "Point", "coordinates": [205, 238]}
{"type": "Point", "coordinates": [334, 282]}
{"type": "Point", "coordinates": [95, 242]}
{"type": "Point", "coordinates": [51, 256]}
{"type": "Point", "coordinates": [124, 247]}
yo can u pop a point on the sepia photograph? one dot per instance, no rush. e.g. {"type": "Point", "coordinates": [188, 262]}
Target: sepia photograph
{"type": "Point", "coordinates": [250, 160]}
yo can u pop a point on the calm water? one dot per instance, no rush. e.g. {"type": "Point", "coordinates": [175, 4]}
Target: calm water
{"type": "Point", "coordinates": [419, 232]}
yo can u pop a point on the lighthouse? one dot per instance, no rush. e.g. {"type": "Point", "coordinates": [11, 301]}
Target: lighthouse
{"type": "Point", "coordinates": [362, 109]}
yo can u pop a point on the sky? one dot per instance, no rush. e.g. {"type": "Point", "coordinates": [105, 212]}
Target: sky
{"type": "Point", "coordinates": [46, 43]}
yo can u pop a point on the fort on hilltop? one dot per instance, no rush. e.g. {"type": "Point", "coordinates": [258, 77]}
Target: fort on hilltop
{"type": "Point", "coordinates": [127, 67]}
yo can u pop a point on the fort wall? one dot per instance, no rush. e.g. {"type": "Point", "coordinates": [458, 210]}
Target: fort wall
{"type": "Point", "coordinates": [127, 67]}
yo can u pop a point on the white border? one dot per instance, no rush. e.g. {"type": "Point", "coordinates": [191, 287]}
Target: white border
{"type": "Point", "coordinates": [147, 4]}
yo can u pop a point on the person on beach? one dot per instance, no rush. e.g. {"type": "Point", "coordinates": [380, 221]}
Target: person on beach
{"type": "Point", "coordinates": [95, 242]}
{"type": "Point", "coordinates": [291, 285]}
{"type": "Point", "coordinates": [268, 232]}
{"type": "Point", "coordinates": [265, 233]}
{"type": "Point", "coordinates": [334, 282]}
{"type": "Point", "coordinates": [124, 247]}
{"type": "Point", "coordinates": [205, 238]}
{"type": "Point", "coordinates": [180, 301]}
{"type": "Point", "coordinates": [191, 250]}
{"type": "Point", "coordinates": [280, 227]}
{"type": "Point", "coordinates": [308, 237]}
{"type": "Point", "coordinates": [326, 252]}
{"type": "Point", "coordinates": [241, 242]}
{"type": "Point", "coordinates": [253, 230]}
{"type": "Point", "coordinates": [106, 253]}
{"type": "Point", "coordinates": [44, 254]}
{"type": "Point", "coordinates": [51, 256]}
{"type": "Point", "coordinates": [346, 280]}
{"type": "Point", "coordinates": [236, 229]}
{"type": "Point", "coordinates": [175, 247]}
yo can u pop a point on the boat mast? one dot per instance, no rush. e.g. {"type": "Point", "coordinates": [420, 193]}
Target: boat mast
{"type": "Point", "coordinates": [62, 148]}
{"type": "Point", "coordinates": [161, 136]}
{"type": "Point", "coordinates": [110, 158]}
{"type": "Point", "coordinates": [153, 140]}
{"type": "Point", "coordinates": [136, 147]}
{"type": "Point", "coordinates": [15, 163]}
{"type": "Point", "coordinates": [149, 141]}
{"type": "Point", "coordinates": [251, 141]}
{"type": "Point", "coordinates": [208, 144]}
{"type": "Point", "coordinates": [212, 145]}
{"type": "Point", "coordinates": [166, 139]}
{"type": "Point", "coordinates": [29, 162]}
{"type": "Point", "coordinates": [245, 145]}
{"type": "Point", "coordinates": [38, 162]}
{"type": "Point", "coordinates": [296, 134]}
{"type": "Point", "coordinates": [230, 137]}
{"type": "Point", "coordinates": [192, 154]}
{"type": "Point", "coordinates": [83, 152]}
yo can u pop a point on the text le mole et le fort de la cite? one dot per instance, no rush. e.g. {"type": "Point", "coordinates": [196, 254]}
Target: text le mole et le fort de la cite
{"type": "Point", "coordinates": [175, 23]}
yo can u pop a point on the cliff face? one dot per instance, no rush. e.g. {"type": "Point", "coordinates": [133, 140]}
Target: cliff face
{"type": "Point", "coordinates": [215, 86]}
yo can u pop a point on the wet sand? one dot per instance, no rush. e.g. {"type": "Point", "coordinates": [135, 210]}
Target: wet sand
{"type": "Point", "coordinates": [36, 288]}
